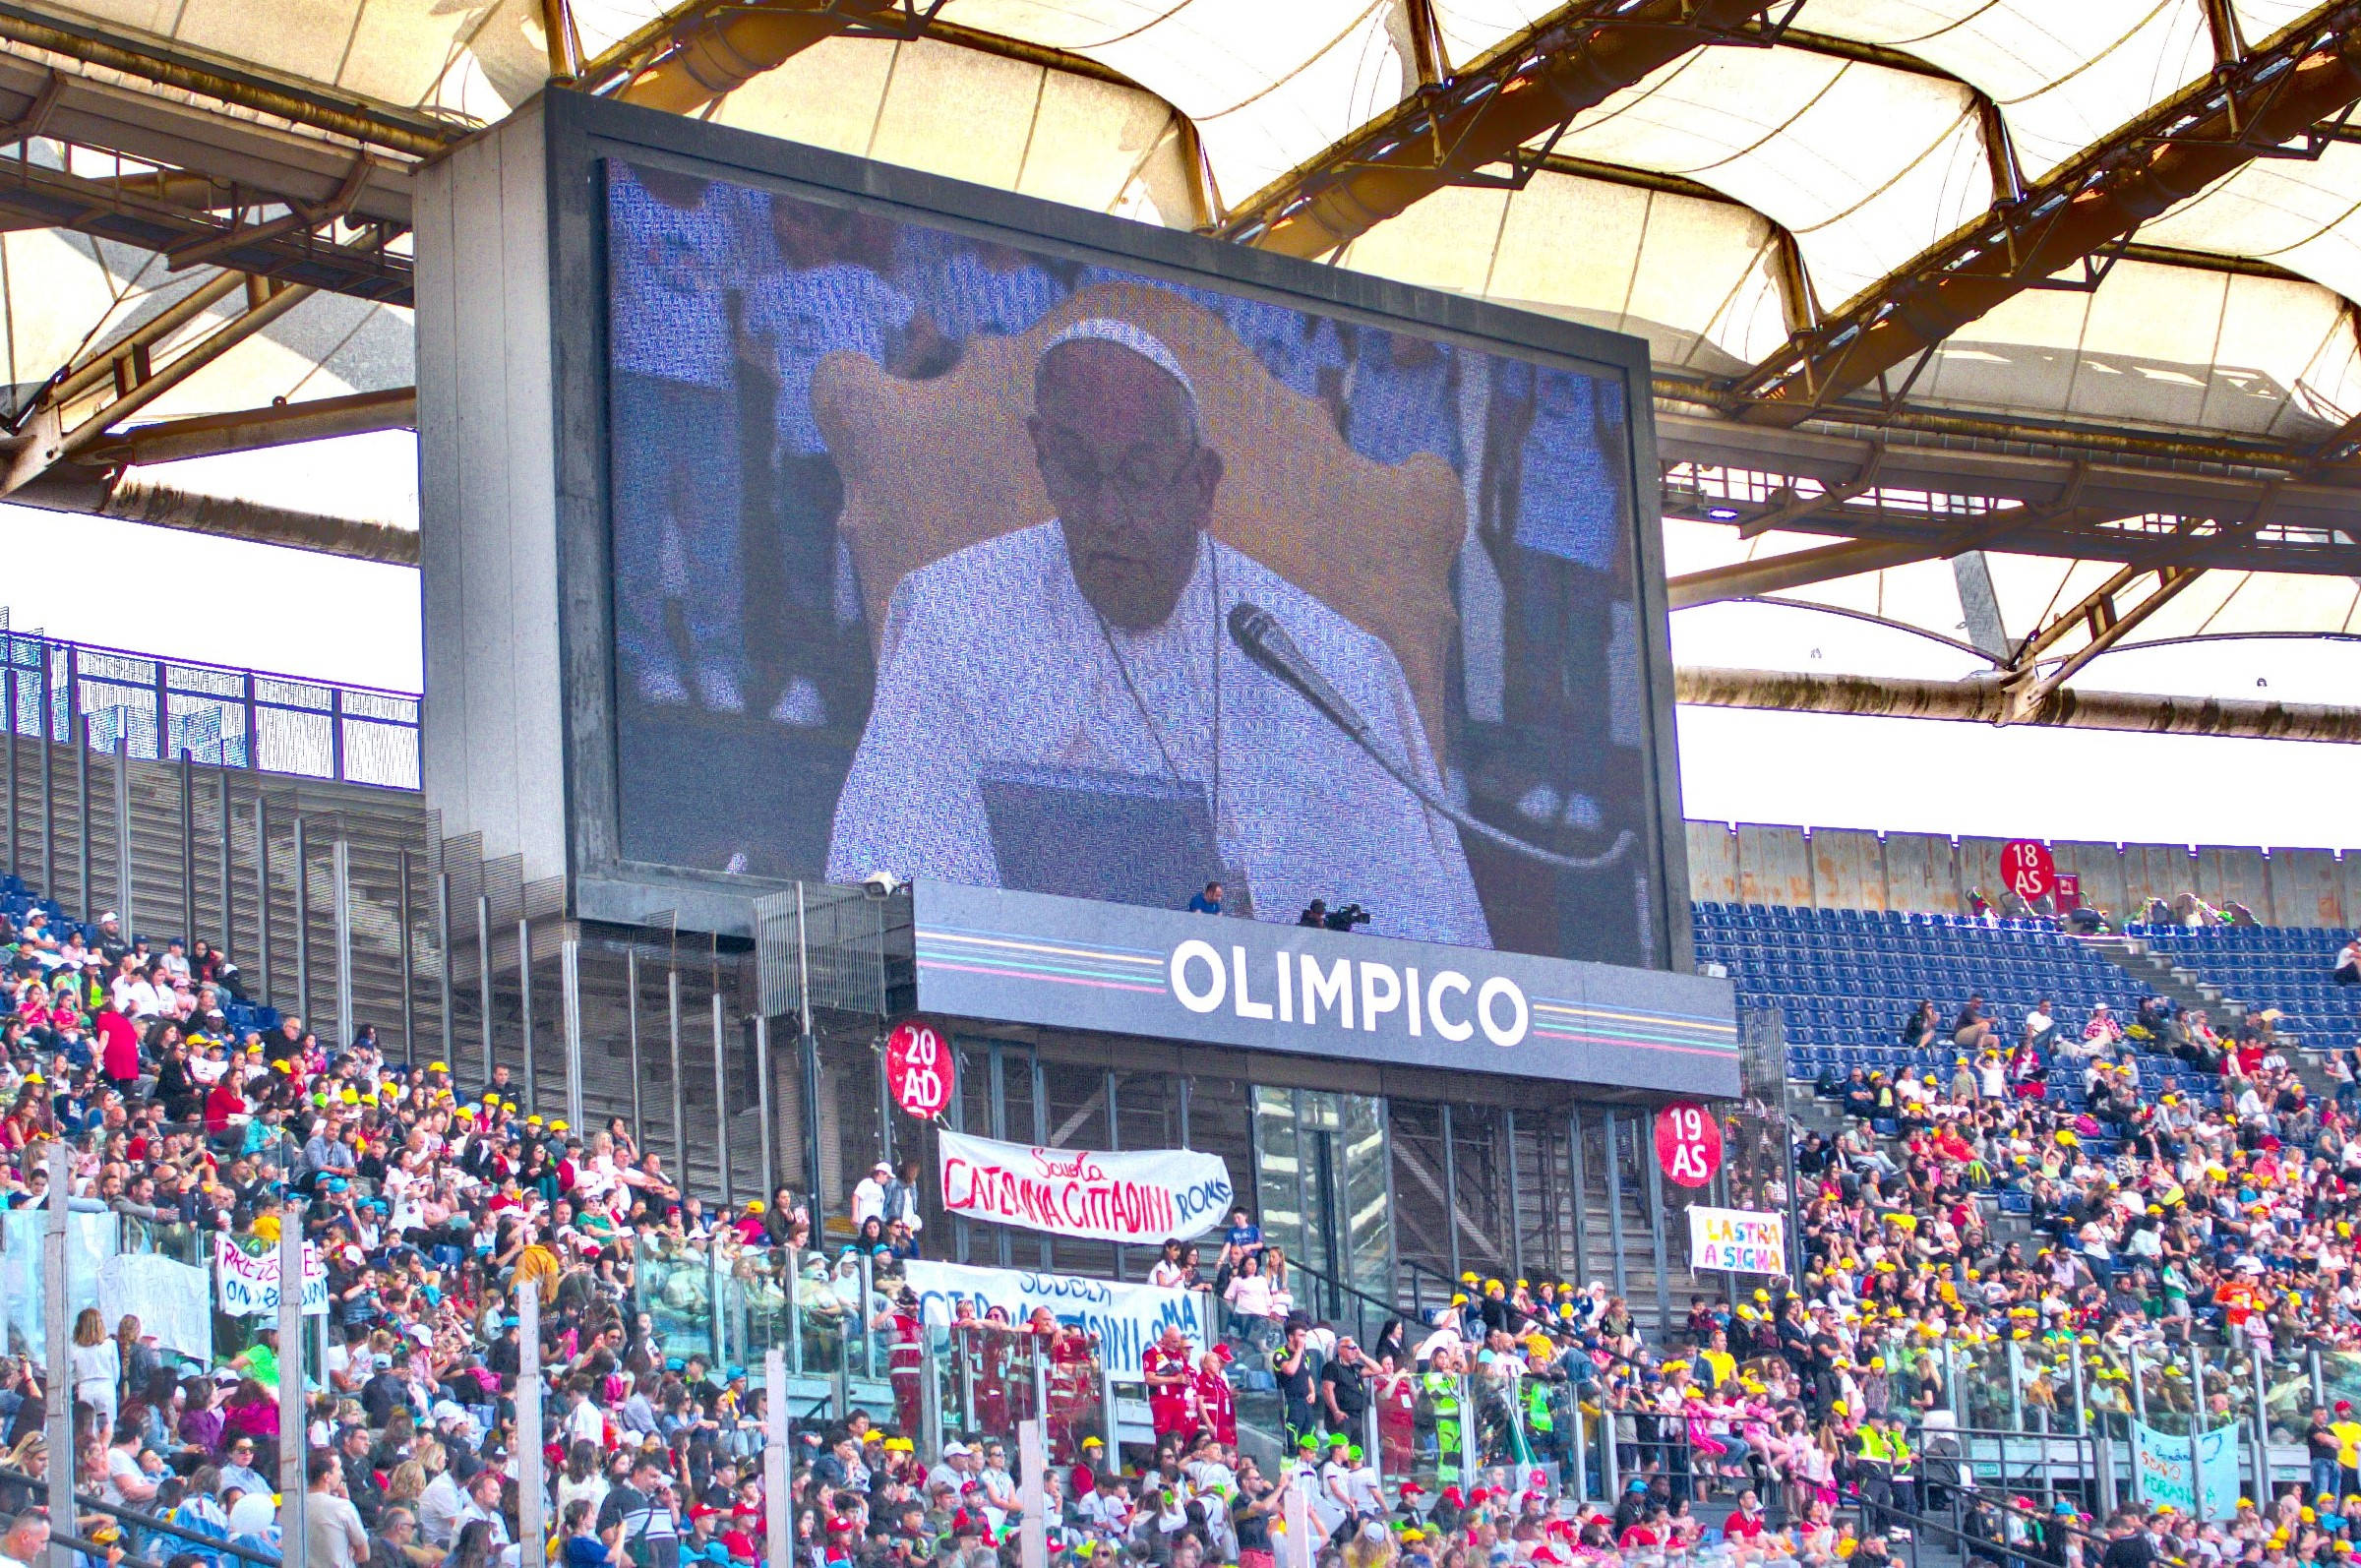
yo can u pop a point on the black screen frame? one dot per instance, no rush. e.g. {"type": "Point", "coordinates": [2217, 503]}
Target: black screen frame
{"type": "Point", "coordinates": [583, 131]}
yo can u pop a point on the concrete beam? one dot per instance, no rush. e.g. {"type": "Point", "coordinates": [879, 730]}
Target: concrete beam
{"type": "Point", "coordinates": [88, 491]}
{"type": "Point", "coordinates": [1987, 702]}
{"type": "Point", "coordinates": [254, 429]}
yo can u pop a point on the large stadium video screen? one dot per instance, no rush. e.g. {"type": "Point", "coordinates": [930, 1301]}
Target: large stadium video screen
{"type": "Point", "coordinates": [947, 556]}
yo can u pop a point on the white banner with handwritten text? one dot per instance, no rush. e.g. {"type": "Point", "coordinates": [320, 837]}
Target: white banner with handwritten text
{"type": "Point", "coordinates": [1143, 1197]}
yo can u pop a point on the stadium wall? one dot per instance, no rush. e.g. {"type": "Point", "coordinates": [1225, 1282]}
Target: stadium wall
{"type": "Point", "coordinates": [1827, 868]}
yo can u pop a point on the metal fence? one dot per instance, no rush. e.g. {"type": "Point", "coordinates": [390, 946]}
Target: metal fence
{"type": "Point", "coordinates": [162, 709]}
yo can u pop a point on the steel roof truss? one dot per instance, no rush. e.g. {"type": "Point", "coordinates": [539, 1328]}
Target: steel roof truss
{"type": "Point", "coordinates": [2289, 99]}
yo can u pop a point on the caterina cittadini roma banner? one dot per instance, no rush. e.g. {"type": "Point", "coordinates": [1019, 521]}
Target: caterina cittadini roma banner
{"type": "Point", "coordinates": [1135, 1197]}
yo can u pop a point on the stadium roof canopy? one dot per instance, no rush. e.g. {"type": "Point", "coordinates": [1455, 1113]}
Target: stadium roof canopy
{"type": "Point", "coordinates": [2027, 326]}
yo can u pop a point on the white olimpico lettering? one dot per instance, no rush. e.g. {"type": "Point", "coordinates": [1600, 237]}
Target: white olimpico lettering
{"type": "Point", "coordinates": [1199, 1000]}
{"type": "Point", "coordinates": [1335, 988]}
{"type": "Point", "coordinates": [1381, 991]}
{"type": "Point", "coordinates": [1447, 980]}
{"type": "Point", "coordinates": [1493, 989]}
{"type": "Point", "coordinates": [1247, 1006]}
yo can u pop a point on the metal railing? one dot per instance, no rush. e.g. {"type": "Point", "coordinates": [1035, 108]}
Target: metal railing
{"type": "Point", "coordinates": [159, 709]}
{"type": "Point", "coordinates": [132, 1521]}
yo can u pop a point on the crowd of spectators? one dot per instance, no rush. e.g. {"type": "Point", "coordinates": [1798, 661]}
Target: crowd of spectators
{"type": "Point", "coordinates": [1806, 1422]}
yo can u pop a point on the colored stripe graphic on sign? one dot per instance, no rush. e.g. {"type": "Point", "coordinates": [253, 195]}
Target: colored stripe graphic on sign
{"type": "Point", "coordinates": [1017, 957]}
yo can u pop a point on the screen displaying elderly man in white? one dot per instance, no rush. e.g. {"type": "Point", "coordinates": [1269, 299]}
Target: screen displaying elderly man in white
{"type": "Point", "coordinates": [1067, 707]}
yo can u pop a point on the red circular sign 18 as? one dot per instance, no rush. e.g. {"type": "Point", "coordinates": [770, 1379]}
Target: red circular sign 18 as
{"type": "Point", "coordinates": [920, 1069]}
{"type": "Point", "coordinates": [2026, 865]}
{"type": "Point", "coordinates": [1688, 1143]}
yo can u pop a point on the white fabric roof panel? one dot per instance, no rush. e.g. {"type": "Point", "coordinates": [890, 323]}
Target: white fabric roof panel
{"type": "Point", "coordinates": [66, 294]}
{"type": "Point", "coordinates": [2162, 346]}
{"type": "Point", "coordinates": [2301, 215]}
{"type": "Point", "coordinates": [1694, 277]}
{"type": "Point", "coordinates": [1471, 28]}
{"type": "Point", "coordinates": [971, 116]}
{"type": "Point", "coordinates": [2062, 74]}
{"type": "Point", "coordinates": [1782, 131]}
{"type": "Point", "coordinates": [2259, 18]}
{"type": "Point", "coordinates": [59, 295]}
{"type": "Point", "coordinates": [1864, 164]}
{"type": "Point", "coordinates": [1268, 85]}
{"type": "Point", "coordinates": [476, 58]}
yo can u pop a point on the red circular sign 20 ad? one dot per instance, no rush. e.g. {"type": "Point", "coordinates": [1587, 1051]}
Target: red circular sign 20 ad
{"type": "Point", "coordinates": [921, 1071]}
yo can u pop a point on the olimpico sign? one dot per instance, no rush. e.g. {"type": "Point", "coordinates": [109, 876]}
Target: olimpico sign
{"type": "Point", "coordinates": [1202, 981]}
{"type": "Point", "coordinates": [1035, 958]}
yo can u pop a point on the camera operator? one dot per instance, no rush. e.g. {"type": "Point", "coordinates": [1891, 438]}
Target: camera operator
{"type": "Point", "coordinates": [1343, 917]}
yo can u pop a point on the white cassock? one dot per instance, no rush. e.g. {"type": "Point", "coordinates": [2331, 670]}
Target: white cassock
{"type": "Point", "coordinates": [993, 656]}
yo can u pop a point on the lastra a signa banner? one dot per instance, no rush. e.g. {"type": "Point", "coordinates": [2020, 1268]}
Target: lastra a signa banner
{"type": "Point", "coordinates": [1093, 1195]}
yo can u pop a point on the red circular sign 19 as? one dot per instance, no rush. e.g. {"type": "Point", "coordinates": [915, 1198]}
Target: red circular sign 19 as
{"type": "Point", "coordinates": [2026, 865]}
{"type": "Point", "coordinates": [920, 1069]}
{"type": "Point", "coordinates": [1688, 1143]}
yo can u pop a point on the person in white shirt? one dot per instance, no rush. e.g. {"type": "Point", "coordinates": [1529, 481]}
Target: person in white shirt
{"type": "Point", "coordinates": [98, 1363]}
{"type": "Point", "coordinates": [1108, 1509]}
{"type": "Point", "coordinates": [1332, 1500]}
{"type": "Point", "coordinates": [671, 238]}
{"type": "Point", "coordinates": [333, 1537]}
{"type": "Point", "coordinates": [1446, 1335]}
{"type": "Point", "coordinates": [1091, 655]}
{"type": "Point", "coordinates": [440, 1505]}
{"type": "Point", "coordinates": [1363, 1486]}
{"type": "Point", "coordinates": [27, 1541]}
{"type": "Point", "coordinates": [584, 1422]}
{"type": "Point", "coordinates": [868, 1197]}
{"type": "Point", "coordinates": [1172, 1267]}
{"type": "Point", "coordinates": [139, 997]}
{"type": "Point", "coordinates": [2348, 964]}
{"type": "Point", "coordinates": [2039, 1023]}
{"type": "Point", "coordinates": [483, 1502]}
{"type": "Point", "coordinates": [957, 1468]}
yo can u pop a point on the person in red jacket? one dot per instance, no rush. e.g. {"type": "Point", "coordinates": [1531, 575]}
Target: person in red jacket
{"type": "Point", "coordinates": [1217, 1408]}
{"type": "Point", "coordinates": [223, 1104]}
{"type": "Point", "coordinates": [118, 1049]}
{"type": "Point", "coordinates": [906, 1354]}
{"type": "Point", "coordinates": [1085, 1477]}
{"type": "Point", "coordinates": [1397, 1395]}
{"type": "Point", "coordinates": [1747, 1524]}
{"type": "Point", "coordinates": [1165, 1368]}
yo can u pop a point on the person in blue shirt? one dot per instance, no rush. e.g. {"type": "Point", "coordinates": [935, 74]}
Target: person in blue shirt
{"type": "Point", "coordinates": [1242, 1240]}
{"type": "Point", "coordinates": [582, 1547]}
{"type": "Point", "coordinates": [676, 244]}
{"type": "Point", "coordinates": [1208, 902]}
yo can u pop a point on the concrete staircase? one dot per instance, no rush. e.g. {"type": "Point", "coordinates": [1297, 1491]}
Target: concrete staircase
{"type": "Point", "coordinates": [2191, 989]}
{"type": "Point", "coordinates": [2185, 987]}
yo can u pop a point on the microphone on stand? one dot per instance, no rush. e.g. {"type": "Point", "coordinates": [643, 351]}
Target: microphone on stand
{"type": "Point", "coordinates": [1260, 635]}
